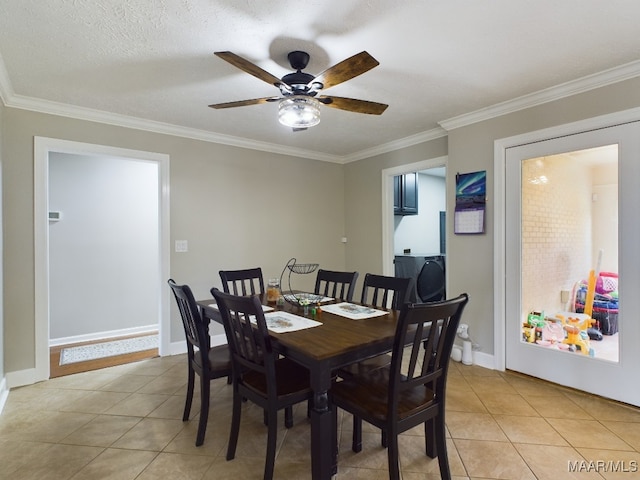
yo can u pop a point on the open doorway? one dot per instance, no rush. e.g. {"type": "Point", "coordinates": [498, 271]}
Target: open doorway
{"type": "Point", "coordinates": [407, 240]}
{"type": "Point", "coordinates": [103, 244]}
{"type": "Point", "coordinates": [98, 296]}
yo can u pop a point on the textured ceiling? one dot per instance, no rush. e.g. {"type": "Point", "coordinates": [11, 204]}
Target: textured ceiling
{"type": "Point", "coordinates": [153, 60]}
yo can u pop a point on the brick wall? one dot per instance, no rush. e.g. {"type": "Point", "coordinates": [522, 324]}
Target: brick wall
{"type": "Point", "coordinates": [556, 230]}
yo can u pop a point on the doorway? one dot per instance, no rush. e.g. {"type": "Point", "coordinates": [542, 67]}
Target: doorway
{"type": "Point", "coordinates": [437, 167]}
{"type": "Point", "coordinates": [549, 249]}
{"type": "Point", "coordinates": [158, 264]}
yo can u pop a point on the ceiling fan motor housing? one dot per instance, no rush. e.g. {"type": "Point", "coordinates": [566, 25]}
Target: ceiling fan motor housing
{"type": "Point", "coordinates": [298, 59]}
{"type": "Point", "coordinates": [298, 80]}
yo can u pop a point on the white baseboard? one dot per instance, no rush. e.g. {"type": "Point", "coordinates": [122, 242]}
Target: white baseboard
{"type": "Point", "coordinates": [4, 393]}
{"type": "Point", "coordinates": [484, 360]}
{"type": "Point", "coordinates": [20, 378]}
{"type": "Point", "coordinates": [91, 337]}
{"type": "Point", "coordinates": [178, 348]}
{"type": "Point", "coordinates": [218, 340]}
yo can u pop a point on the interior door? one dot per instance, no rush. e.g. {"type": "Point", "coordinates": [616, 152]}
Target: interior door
{"type": "Point", "coordinates": [543, 269]}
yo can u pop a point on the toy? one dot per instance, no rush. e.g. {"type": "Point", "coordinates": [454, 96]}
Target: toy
{"type": "Point", "coordinates": [577, 337]}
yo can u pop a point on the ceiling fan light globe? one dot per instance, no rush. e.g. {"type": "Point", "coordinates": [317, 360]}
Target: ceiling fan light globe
{"type": "Point", "coordinates": [299, 111]}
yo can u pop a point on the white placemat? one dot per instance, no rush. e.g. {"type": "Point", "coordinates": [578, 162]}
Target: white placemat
{"type": "Point", "coordinates": [353, 311]}
{"type": "Point", "coordinates": [282, 322]}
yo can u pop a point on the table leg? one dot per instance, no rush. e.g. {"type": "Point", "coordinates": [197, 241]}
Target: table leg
{"type": "Point", "coordinates": [323, 436]}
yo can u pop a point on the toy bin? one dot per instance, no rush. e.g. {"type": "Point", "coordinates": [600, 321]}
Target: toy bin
{"type": "Point", "coordinates": [606, 314]}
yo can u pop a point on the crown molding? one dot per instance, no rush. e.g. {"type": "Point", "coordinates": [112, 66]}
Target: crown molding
{"type": "Point", "coordinates": [92, 115]}
{"type": "Point", "coordinates": [567, 89]}
{"type": "Point", "coordinates": [396, 145]}
{"type": "Point", "coordinates": [590, 82]}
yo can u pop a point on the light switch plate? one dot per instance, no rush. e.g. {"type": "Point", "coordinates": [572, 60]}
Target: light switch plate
{"type": "Point", "coordinates": [182, 246]}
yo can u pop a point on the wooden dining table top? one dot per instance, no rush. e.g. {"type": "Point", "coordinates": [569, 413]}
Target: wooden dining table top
{"type": "Point", "coordinates": [336, 340]}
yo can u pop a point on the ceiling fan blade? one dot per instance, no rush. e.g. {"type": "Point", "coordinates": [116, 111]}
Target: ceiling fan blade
{"type": "Point", "coordinates": [243, 103]}
{"type": "Point", "coordinates": [353, 105]}
{"type": "Point", "coordinates": [346, 70]}
{"type": "Point", "coordinates": [250, 68]}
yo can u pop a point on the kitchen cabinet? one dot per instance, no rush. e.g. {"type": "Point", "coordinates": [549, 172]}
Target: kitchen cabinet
{"type": "Point", "coordinates": [405, 194]}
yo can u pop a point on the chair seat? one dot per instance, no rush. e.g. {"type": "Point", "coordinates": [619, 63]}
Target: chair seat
{"type": "Point", "coordinates": [220, 360]}
{"type": "Point", "coordinates": [368, 395]}
{"type": "Point", "coordinates": [291, 379]}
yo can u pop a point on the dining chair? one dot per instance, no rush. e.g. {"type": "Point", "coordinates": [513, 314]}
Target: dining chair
{"type": "Point", "coordinates": [412, 390]}
{"type": "Point", "coordinates": [209, 363]}
{"type": "Point", "coordinates": [259, 374]}
{"type": "Point", "coordinates": [383, 292]}
{"type": "Point", "coordinates": [243, 282]}
{"type": "Point", "coordinates": [340, 285]}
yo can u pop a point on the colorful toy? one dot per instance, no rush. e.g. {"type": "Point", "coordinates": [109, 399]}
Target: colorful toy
{"type": "Point", "coordinates": [577, 336]}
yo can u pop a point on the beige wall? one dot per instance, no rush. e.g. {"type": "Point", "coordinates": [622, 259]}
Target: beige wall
{"type": "Point", "coordinates": [237, 208]}
{"type": "Point", "coordinates": [470, 258]}
{"type": "Point", "coordinates": [214, 186]}
{"type": "Point", "coordinates": [363, 202]}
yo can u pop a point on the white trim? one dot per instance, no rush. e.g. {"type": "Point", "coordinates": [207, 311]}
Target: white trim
{"type": "Point", "coordinates": [387, 205]}
{"type": "Point", "coordinates": [220, 339]}
{"type": "Point", "coordinates": [178, 348]}
{"type": "Point", "coordinates": [499, 231]}
{"type": "Point", "coordinates": [567, 89]}
{"type": "Point", "coordinates": [484, 360]}
{"type": "Point", "coordinates": [397, 145]}
{"type": "Point", "coordinates": [42, 147]}
{"type": "Point", "coordinates": [590, 82]}
{"type": "Point", "coordinates": [92, 115]}
{"type": "Point", "coordinates": [111, 334]}
{"type": "Point", "coordinates": [20, 378]}
{"type": "Point", "coordinates": [4, 393]}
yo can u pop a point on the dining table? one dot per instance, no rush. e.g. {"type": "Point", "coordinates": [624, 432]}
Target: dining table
{"type": "Point", "coordinates": [334, 342]}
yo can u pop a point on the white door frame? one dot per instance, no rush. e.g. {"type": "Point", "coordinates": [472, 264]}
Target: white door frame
{"type": "Point", "coordinates": [42, 147]}
{"type": "Point", "coordinates": [500, 153]}
{"type": "Point", "coordinates": [387, 205]}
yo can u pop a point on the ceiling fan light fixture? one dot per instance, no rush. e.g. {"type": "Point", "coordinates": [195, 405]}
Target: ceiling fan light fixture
{"type": "Point", "coordinates": [299, 111]}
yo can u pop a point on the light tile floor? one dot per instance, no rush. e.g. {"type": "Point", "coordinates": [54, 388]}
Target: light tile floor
{"type": "Point", "coordinates": [125, 423]}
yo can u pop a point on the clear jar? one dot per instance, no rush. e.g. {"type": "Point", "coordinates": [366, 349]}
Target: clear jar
{"type": "Point", "coordinates": [273, 290]}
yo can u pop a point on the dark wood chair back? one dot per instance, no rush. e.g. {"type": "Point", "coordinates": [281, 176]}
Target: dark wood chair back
{"type": "Point", "coordinates": [386, 292]}
{"type": "Point", "coordinates": [243, 282]}
{"type": "Point", "coordinates": [412, 390]}
{"type": "Point", "coordinates": [259, 374]}
{"type": "Point", "coordinates": [208, 363]}
{"type": "Point", "coordinates": [247, 335]}
{"type": "Point", "coordinates": [340, 285]}
{"type": "Point", "coordinates": [194, 327]}
{"type": "Point", "coordinates": [430, 328]}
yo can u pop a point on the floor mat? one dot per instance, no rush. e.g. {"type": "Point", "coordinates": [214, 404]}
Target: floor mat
{"type": "Point", "coordinates": [84, 353]}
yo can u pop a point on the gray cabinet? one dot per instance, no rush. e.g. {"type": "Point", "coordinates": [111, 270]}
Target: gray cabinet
{"type": "Point", "coordinates": [405, 194]}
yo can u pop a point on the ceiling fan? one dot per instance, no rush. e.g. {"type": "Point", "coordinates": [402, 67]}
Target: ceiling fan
{"type": "Point", "coordinates": [299, 102]}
